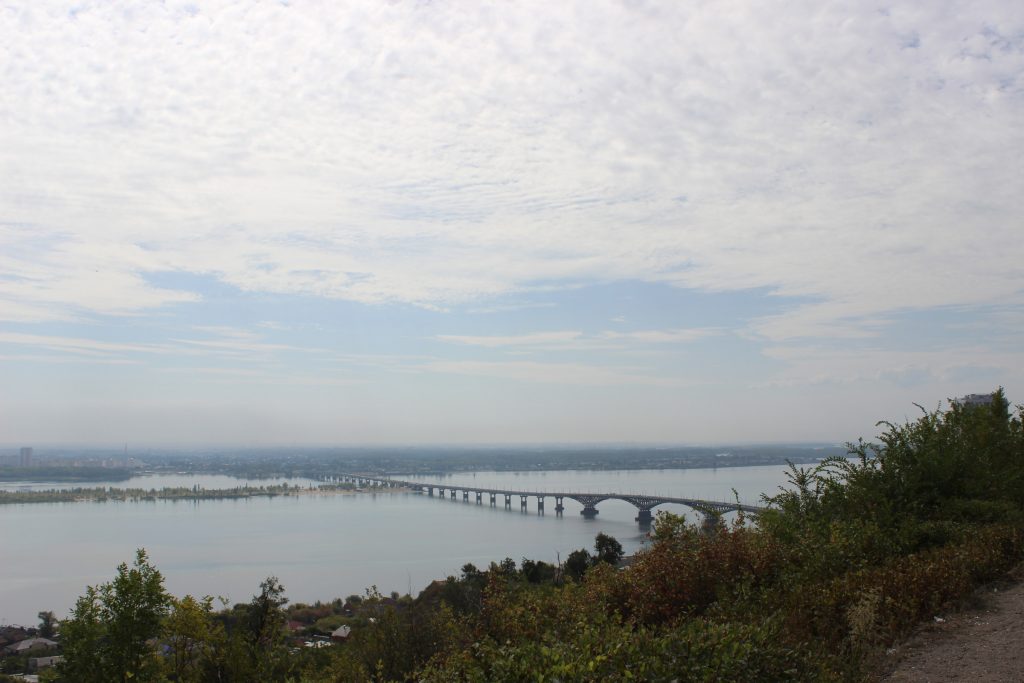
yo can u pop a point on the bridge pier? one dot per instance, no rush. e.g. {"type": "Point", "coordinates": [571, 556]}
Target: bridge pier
{"type": "Point", "coordinates": [710, 510]}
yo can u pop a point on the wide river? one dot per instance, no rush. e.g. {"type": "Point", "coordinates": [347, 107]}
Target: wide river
{"type": "Point", "coordinates": [322, 546]}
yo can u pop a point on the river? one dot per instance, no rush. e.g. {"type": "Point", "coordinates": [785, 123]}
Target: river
{"type": "Point", "coordinates": [321, 546]}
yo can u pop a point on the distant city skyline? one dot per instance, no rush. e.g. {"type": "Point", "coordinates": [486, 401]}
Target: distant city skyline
{"type": "Point", "coordinates": [579, 222]}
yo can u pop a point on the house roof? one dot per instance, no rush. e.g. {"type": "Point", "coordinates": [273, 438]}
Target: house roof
{"type": "Point", "coordinates": [30, 643]}
{"type": "Point", "coordinates": [341, 632]}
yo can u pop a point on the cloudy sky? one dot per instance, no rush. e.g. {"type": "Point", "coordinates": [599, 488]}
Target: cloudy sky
{"type": "Point", "coordinates": [575, 221]}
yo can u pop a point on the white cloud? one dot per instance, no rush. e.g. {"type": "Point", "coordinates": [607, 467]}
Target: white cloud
{"type": "Point", "coordinates": [570, 340]}
{"type": "Point", "coordinates": [77, 345]}
{"type": "Point", "coordinates": [958, 366]}
{"type": "Point", "coordinates": [434, 154]}
{"type": "Point", "coordinates": [551, 373]}
{"type": "Point", "coordinates": [240, 348]}
{"type": "Point", "coordinates": [542, 338]}
{"type": "Point", "coordinates": [228, 331]}
{"type": "Point", "coordinates": [50, 360]}
{"type": "Point", "coordinates": [233, 376]}
{"type": "Point", "coordinates": [241, 345]}
{"type": "Point", "coordinates": [664, 336]}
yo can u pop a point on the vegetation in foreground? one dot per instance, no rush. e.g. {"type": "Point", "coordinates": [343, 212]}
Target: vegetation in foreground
{"type": "Point", "coordinates": [842, 564]}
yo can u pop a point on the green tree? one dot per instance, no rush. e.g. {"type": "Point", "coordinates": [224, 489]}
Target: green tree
{"type": "Point", "coordinates": [506, 567]}
{"type": "Point", "coordinates": [537, 571]}
{"type": "Point", "coordinates": [83, 639]}
{"type": "Point", "coordinates": [266, 631]}
{"type": "Point", "coordinates": [193, 636]}
{"type": "Point", "coordinates": [47, 624]}
{"type": "Point", "coordinates": [577, 562]}
{"type": "Point", "coordinates": [608, 549]}
{"type": "Point", "coordinates": [107, 637]}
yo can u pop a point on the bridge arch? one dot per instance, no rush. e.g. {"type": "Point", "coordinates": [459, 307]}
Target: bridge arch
{"type": "Point", "coordinates": [588, 501]}
{"type": "Point", "coordinates": [711, 510]}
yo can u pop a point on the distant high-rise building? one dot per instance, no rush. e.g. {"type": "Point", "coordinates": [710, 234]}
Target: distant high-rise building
{"type": "Point", "coordinates": [971, 400]}
{"type": "Point", "coordinates": [25, 459]}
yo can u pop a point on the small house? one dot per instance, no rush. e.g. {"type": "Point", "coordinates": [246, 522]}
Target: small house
{"type": "Point", "coordinates": [31, 645]}
{"type": "Point", "coordinates": [40, 663]}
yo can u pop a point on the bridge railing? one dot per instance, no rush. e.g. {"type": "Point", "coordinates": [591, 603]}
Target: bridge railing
{"type": "Point", "coordinates": [643, 502]}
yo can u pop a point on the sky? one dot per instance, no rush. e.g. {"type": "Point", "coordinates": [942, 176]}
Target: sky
{"type": "Point", "coordinates": [583, 221]}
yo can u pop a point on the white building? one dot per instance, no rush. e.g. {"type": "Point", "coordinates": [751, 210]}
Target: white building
{"type": "Point", "coordinates": [971, 400]}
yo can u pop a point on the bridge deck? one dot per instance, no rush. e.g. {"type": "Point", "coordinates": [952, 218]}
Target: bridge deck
{"type": "Point", "coordinates": [649, 501]}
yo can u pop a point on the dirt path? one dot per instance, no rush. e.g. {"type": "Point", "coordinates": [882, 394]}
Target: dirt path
{"type": "Point", "coordinates": [983, 643]}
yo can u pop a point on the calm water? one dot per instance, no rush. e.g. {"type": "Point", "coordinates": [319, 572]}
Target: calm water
{"type": "Point", "coordinates": [322, 547]}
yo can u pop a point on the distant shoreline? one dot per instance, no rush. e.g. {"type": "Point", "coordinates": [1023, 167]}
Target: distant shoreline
{"type": "Point", "coordinates": [104, 495]}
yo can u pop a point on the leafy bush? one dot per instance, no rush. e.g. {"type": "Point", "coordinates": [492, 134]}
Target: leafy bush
{"type": "Point", "coordinates": [610, 650]}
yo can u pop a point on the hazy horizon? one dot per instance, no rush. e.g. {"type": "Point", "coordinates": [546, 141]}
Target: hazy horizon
{"type": "Point", "coordinates": [573, 222]}
{"type": "Point", "coordinates": [411, 446]}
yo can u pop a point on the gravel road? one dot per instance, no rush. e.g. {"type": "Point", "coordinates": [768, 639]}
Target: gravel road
{"type": "Point", "coordinates": [983, 643]}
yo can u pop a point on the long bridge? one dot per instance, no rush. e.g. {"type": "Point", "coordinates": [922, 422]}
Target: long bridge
{"type": "Point", "coordinates": [710, 509]}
